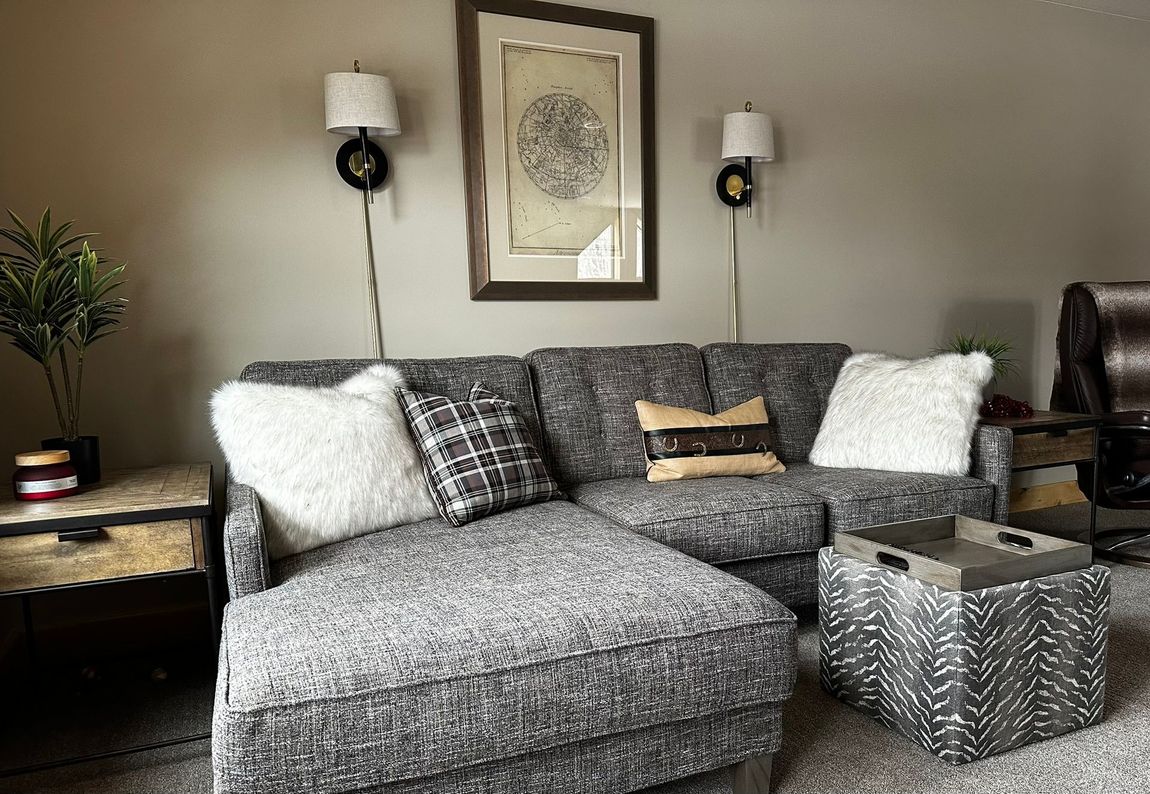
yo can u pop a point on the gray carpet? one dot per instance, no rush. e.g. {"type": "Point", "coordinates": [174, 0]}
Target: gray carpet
{"type": "Point", "coordinates": [829, 748]}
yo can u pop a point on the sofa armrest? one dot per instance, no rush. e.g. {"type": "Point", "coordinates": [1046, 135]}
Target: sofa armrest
{"type": "Point", "coordinates": [992, 455]}
{"type": "Point", "coordinates": [245, 548]}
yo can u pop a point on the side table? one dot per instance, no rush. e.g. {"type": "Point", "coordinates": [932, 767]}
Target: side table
{"type": "Point", "coordinates": [148, 523]}
{"type": "Point", "coordinates": [1055, 438]}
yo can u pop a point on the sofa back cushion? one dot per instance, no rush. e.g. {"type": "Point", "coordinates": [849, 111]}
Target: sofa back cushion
{"type": "Point", "coordinates": [794, 379]}
{"type": "Point", "coordinates": [587, 403]}
{"type": "Point", "coordinates": [449, 377]}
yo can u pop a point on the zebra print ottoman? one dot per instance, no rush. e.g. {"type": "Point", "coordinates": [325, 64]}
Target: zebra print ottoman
{"type": "Point", "coordinates": [966, 675]}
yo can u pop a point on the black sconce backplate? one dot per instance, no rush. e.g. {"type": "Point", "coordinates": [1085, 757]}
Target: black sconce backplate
{"type": "Point", "coordinates": [729, 185]}
{"type": "Point", "coordinates": [348, 164]}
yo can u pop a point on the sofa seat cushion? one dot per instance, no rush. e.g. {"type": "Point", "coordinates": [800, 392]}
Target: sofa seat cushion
{"type": "Point", "coordinates": [716, 520]}
{"type": "Point", "coordinates": [427, 648]}
{"type": "Point", "coordinates": [862, 497]}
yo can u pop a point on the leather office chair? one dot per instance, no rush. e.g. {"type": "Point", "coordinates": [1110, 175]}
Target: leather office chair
{"type": "Point", "coordinates": [1104, 369]}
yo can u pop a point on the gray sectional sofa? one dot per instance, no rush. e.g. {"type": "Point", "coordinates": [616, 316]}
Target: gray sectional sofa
{"type": "Point", "coordinates": [639, 634]}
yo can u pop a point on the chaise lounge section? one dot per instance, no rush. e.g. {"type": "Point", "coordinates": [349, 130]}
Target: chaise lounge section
{"type": "Point", "coordinates": [599, 645]}
{"type": "Point", "coordinates": [545, 649]}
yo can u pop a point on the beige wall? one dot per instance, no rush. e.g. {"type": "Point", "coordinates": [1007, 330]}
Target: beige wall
{"type": "Point", "coordinates": [943, 163]}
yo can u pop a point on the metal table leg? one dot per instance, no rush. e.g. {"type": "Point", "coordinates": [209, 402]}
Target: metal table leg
{"type": "Point", "coordinates": [215, 608]}
{"type": "Point", "coordinates": [1096, 479]}
{"type": "Point", "coordinates": [29, 635]}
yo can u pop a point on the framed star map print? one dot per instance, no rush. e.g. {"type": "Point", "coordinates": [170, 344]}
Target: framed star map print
{"type": "Point", "coordinates": [558, 150]}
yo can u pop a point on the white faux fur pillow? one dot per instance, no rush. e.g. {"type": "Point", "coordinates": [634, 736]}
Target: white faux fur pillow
{"type": "Point", "coordinates": [328, 463]}
{"type": "Point", "coordinates": [898, 415]}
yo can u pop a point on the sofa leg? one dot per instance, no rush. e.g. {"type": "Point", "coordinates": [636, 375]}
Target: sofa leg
{"type": "Point", "coordinates": [753, 776]}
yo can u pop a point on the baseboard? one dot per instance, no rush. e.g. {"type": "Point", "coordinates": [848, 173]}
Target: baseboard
{"type": "Point", "coordinates": [1038, 497]}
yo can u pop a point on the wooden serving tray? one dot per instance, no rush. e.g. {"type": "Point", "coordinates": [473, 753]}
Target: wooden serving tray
{"type": "Point", "coordinates": [960, 553]}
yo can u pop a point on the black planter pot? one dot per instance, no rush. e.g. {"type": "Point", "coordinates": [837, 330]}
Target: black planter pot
{"type": "Point", "coordinates": [85, 452]}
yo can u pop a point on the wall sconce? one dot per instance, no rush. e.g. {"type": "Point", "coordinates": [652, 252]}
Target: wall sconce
{"type": "Point", "coordinates": [361, 105]}
{"type": "Point", "coordinates": [747, 138]}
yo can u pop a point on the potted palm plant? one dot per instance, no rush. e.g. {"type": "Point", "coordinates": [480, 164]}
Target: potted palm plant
{"type": "Point", "coordinates": [999, 350]}
{"type": "Point", "coordinates": [56, 300]}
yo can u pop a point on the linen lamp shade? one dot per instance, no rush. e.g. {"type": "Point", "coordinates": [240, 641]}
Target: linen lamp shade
{"type": "Point", "coordinates": [353, 100]}
{"type": "Point", "coordinates": [748, 135]}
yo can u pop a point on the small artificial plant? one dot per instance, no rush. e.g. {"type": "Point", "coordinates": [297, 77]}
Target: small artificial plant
{"type": "Point", "coordinates": [55, 303]}
{"type": "Point", "coordinates": [996, 347]}
{"type": "Point", "coordinates": [999, 350]}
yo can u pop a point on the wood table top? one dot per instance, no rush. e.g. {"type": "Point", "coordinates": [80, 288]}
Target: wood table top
{"type": "Point", "coordinates": [1043, 420]}
{"type": "Point", "coordinates": [177, 490]}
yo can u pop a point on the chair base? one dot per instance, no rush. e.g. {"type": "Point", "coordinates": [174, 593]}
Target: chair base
{"type": "Point", "coordinates": [752, 776]}
{"type": "Point", "coordinates": [1112, 551]}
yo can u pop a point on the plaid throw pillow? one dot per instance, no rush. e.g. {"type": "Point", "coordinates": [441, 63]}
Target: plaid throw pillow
{"type": "Point", "coordinates": [478, 455]}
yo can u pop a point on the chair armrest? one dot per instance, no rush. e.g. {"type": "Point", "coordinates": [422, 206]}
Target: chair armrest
{"type": "Point", "coordinates": [245, 548]}
{"type": "Point", "coordinates": [992, 456]}
{"type": "Point", "coordinates": [1126, 422]}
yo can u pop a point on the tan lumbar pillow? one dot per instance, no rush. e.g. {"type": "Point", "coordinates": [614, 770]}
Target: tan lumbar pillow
{"type": "Point", "coordinates": [682, 444]}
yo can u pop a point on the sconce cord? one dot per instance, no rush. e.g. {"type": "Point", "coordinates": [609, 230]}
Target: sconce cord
{"type": "Point", "coordinates": [372, 292]}
{"type": "Point", "coordinates": [734, 329]}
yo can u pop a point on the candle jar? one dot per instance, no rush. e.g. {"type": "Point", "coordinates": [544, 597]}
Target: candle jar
{"type": "Point", "coordinates": [44, 475]}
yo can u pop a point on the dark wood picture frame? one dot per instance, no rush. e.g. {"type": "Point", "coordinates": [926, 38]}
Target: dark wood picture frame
{"type": "Point", "coordinates": [482, 286]}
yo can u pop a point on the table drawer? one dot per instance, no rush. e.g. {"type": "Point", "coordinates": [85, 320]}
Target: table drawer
{"type": "Point", "coordinates": [49, 559]}
{"type": "Point", "coordinates": [1051, 449]}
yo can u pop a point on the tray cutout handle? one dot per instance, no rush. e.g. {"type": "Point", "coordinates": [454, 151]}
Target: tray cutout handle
{"type": "Point", "coordinates": [1018, 541]}
{"type": "Point", "coordinates": [891, 561]}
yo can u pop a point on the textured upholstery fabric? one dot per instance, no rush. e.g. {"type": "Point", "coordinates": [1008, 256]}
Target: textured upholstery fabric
{"type": "Point", "coordinates": [965, 674]}
{"type": "Point", "coordinates": [426, 649]}
{"type": "Point", "coordinates": [1104, 368]}
{"type": "Point", "coordinates": [716, 520]}
{"type": "Point", "coordinates": [991, 458]}
{"type": "Point", "coordinates": [245, 548]}
{"type": "Point", "coordinates": [1079, 374]}
{"type": "Point", "coordinates": [478, 456]}
{"type": "Point", "coordinates": [547, 649]}
{"type": "Point", "coordinates": [794, 379]}
{"type": "Point", "coordinates": [622, 762]}
{"type": "Point", "coordinates": [244, 543]}
{"type": "Point", "coordinates": [587, 402]}
{"type": "Point", "coordinates": [862, 497]}
{"type": "Point", "coordinates": [451, 377]}
{"type": "Point", "coordinates": [1104, 347]}
{"type": "Point", "coordinates": [790, 579]}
